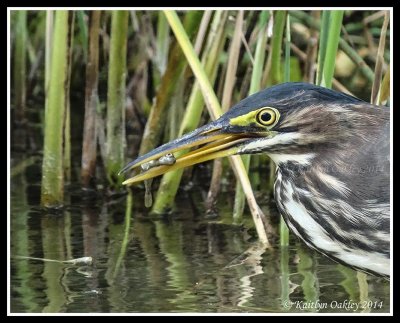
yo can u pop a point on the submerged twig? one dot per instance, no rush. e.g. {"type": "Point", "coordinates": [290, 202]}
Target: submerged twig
{"type": "Point", "coordinates": [75, 261]}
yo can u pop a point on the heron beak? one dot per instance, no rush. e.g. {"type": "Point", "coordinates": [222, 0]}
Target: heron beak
{"type": "Point", "coordinates": [213, 140]}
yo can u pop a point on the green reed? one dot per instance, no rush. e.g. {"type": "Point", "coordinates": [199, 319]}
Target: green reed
{"type": "Point", "coordinates": [116, 96]}
{"type": "Point", "coordinates": [55, 114]}
{"type": "Point", "coordinates": [20, 66]}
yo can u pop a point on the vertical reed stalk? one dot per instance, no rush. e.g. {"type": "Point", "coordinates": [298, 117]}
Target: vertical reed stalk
{"type": "Point", "coordinates": [323, 40]}
{"type": "Point", "coordinates": [89, 153]}
{"type": "Point", "coordinates": [379, 61]}
{"type": "Point", "coordinates": [283, 229]}
{"type": "Point", "coordinates": [233, 60]}
{"type": "Point", "coordinates": [176, 65]}
{"type": "Point", "coordinates": [48, 51]}
{"type": "Point", "coordinates": [329, 46]}
{"type": "Point", "coordinates": [311, 53]}
{"type": "Point", "coordinates": [52, 167]}
{"type": "Point", "coordinates": [170, 181]}
{"type": "Point", "coordinates": [286, 73]}
{"type": "Point", "coordinates": [162, 42]}
{"type": "Point", "coordinates": [21, 37]}
{"type": "Point", "coordinates": [255, 85]}
{"type": "Point", "coordinates": [277, 36]}
{"type": "Point", "coordinates": [83, 33]}
{"type": "Point", "coordinates": [215, 110]}
{"type": "Point", "coordinates": [276, 74]}
{"type": "Point", "coordinates": [384, 91]}
{"type": "Point", "coordinates": [115, 144]}
{"type": "Point", "coordinates": [229, 83]}
{"type": "Point", "coordinates": [67, 120]}
{"type": "Point", "coordinates": [67, 136]}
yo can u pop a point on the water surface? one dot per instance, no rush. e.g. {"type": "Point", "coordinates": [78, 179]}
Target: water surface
{"type": "Point", "coordinates": [180, 262]}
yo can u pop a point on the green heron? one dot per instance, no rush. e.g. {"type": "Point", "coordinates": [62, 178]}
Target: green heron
{"type": "Point", "coordinates": [332, 154]}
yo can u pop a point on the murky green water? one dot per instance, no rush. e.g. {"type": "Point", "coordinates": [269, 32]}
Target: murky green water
{"type": "Point", "coordinates": [182, 262]}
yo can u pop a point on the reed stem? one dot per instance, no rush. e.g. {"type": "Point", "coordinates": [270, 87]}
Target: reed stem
{"type": "Point", "coordinates": [176, 64]}
{"type": "Point", "coordinates": [283, 229]}
{"type": "Point", "coordinates": [52, 168]}
{"type": "Point", "coordinates": [229, 83]}
{"type": "Point", "coordinates": [21, 37]}
{"type": "Point", "coordinates": [255, 85]}
{"type": "Point", "coordinates": [89, 144]}
{"type": "Point", "coordinates": [215, 111]}
{"type": "Point", "coordinates": [170, 181]}
{"type": "Point", "coordinates": [115, 144]}
{"type": "Point", "coordinates": [332, 43]}
{"type": "Point", "coordinates": [376, 85]}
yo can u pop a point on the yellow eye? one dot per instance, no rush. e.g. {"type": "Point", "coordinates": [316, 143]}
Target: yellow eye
{"type": "Point", "coordinates": [267, 116]}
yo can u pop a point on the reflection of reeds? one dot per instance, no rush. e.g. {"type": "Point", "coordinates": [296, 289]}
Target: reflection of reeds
{"type": "Point", "coordinates": [349, 283]}
{"type": "Point", "coordinates": [180, 277]}
{"type": "Point", "coordinates": [125, 240]}
{"type": "Point", "coordinates": [53, 248]}
{"type": "Point", "coordinates": [20, 245]}
{"type": "Point", "coordinates": [285, 276]}
{"type": "Point", "coordinates": [306, 268]}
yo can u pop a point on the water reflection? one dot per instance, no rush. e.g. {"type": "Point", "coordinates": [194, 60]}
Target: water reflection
{"type": "Point", "coordinates": [177, 263]}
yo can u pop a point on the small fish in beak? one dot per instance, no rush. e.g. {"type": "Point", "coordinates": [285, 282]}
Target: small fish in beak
{"type": "Point", "coordinates": [168, 159]}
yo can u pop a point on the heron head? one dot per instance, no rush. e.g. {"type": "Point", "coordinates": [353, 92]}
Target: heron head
{"type": "Point", "coordinates": [293, 119]}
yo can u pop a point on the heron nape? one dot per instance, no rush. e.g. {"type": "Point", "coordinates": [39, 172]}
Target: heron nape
{"type": "Point", "coordinates": [332, 153]}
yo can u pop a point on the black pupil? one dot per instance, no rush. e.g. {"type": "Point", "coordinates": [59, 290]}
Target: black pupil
{"type": "Point", "coordinates": [266, 116]}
